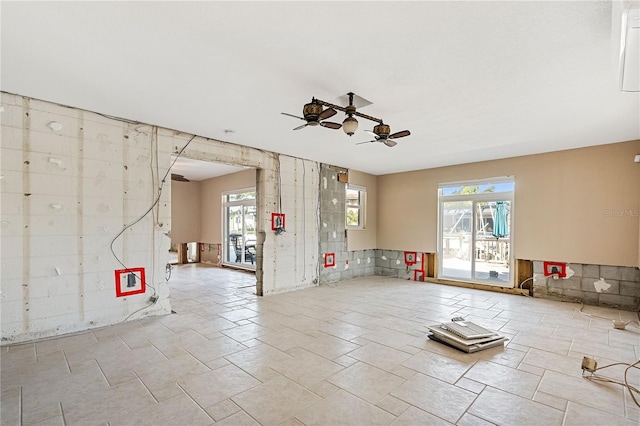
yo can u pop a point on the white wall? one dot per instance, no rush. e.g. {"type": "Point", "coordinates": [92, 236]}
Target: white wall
{"type": "Point", "coordinates": [66, 194]}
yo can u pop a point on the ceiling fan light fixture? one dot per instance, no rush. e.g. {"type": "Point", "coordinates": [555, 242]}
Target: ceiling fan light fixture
{"type": "Point", "coordinates": [350, 125]}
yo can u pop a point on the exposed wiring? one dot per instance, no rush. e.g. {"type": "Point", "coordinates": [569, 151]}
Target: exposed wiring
{"type": "Point", "coordinates": [149, 210]}
{"type": "Point", "coordinates": [635, 323]}
{"type": "Point", "coordinates": [633, 391]}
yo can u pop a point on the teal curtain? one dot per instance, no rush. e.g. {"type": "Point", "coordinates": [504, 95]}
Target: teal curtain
{"type": "Point", "coordinates": [500, 225]}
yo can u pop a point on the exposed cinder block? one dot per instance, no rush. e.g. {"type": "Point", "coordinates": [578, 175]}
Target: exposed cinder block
{"type": "Point", "coordinates": [591, 271]}
{"type": "Point", "coordinates": [611, 272]}
{"type": "Point", "coordinates": [584, 297]}
{"type": "Point", "coordinates": [576, 268]}
{"type": "Point", "coordinates": [538, 267]}
{"type": "Point", "coordinates": [629, 288]}
{"type": "Point", "coordinates": [630, 274]}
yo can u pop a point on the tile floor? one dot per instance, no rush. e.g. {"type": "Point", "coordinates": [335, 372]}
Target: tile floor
{"type": "Point", "coordinates": [355, 353]}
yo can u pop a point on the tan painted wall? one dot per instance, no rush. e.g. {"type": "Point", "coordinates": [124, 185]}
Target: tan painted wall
{"type": "Point", "coordinates": [185, 212]}
{"type": "Point", "coordinates": [211, 201]}
{"type": "Point", "coordinates": [363, 239]}
{"type": "Point", "coordinates": [578, 205]}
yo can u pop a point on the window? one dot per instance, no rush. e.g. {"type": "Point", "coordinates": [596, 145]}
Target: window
{"type": "Point", "coordinates": [475, 231]}
{"type": "Point", "coordinates": [355, 205]}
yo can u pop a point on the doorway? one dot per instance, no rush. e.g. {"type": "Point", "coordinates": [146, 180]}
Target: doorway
{"type": "Point", "coordinates": [475, 238]}
{"type": "Point", "coordinates": [240, 219]}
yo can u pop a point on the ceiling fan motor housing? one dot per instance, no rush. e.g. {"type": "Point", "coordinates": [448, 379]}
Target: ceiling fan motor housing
{"type": "Point", "coordinates": [382, 130]}
{"type": "Point", "coordinates": [311, 112]}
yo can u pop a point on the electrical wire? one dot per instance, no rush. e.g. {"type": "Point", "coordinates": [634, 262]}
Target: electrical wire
{"type": "Point", "coordinates": [149, 210]}
{"type": "Point", "coordinates": [635, 323]}
{"type": "Point", "coordinates": [633, 391]}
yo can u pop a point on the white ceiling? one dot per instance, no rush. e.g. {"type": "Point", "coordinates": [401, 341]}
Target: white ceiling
{"type": "Point", "coordinates": [472, 81]}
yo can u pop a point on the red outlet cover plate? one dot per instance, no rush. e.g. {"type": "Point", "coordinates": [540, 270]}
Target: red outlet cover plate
{"type": "Point", "coordinates": [561, 269]}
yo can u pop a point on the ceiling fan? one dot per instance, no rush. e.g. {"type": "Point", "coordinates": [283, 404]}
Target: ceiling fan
{"type": "Point", "coordinates": [179, 178]}
{"type": "Point", "coordinates": [313, 115]}
{"type": "Point", "coordinates": [381, 133]}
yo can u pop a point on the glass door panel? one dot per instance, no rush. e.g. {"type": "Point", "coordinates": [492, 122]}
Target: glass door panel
{"type": "Point", "coordinates": [493, 219]}
{"type": "Point", "coordinates": [457, 253]}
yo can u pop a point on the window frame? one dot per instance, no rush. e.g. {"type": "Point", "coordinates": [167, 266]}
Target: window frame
{"type": "Point", "coordinates": [361, 206]}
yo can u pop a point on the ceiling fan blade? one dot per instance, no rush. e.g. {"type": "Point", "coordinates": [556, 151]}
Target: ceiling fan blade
{"type": "Point", "coordinates": [390, 143]}
{"type": "Point", "coordinates": [371, 133]}
{"type": "Point", "coordinates": [291, 115]}
{"type": "Point", "coordinates": [329, 112]}
{"type": "Point", "coordinates": [360, 143]}
{"type": "Point", "coordinates": [401, 134]}
{"type": "Point", "coordinates": [302, 126]}
{"type": "Point", "coordinates": [179, 178]}
{"type": "Point", "coordinates": [331, 125]}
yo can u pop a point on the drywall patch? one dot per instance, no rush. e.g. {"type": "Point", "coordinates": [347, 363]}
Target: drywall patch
{"type": "Point", "coordinates": [334, 201]}
{"type": "Point", "coordinates": [324, 182]}
{"type": "Point", "coordinates": [601, 285]}
{"type": "Point", "coordinates": [570, 272]}
{"type": "Point", "coordinates": [334, 234]}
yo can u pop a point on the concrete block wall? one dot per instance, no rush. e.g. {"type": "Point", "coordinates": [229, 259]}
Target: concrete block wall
{"type": "Point", "coordinates": [599, 285]}
{"type": "Point", "coordinates": [66, 193]}
{"type": "Point", "coordinates": [390, 263]}
{"type": "Point", "coordinates": [332, 233]}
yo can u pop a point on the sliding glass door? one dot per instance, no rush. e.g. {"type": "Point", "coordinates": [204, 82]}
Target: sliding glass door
{"type": "Point", "coordinates": [475, 232]}
{"type": "Point", "coordinates": [239, 248]}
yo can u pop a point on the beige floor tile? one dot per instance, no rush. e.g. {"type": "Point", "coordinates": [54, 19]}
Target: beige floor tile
{"type": "Point", "coordinates": [416, 416]}
{"type": "Point", "coordinates": [245, 332]}
{"type": "Point", "coordinates": [393, 405]}
{"type": "Point", "coordinates": [380, 356]}
{"type": "Point", "coordinates": [435, 397]}
{"type": "Point", "coordinates": [550, 400]}
{"type": "Point", "coordinates": [119, 369]}
{"type": "Point", "coordinates": [438, 366]}
{"type": "Point", "coordinates": [100, 407]}
{"type": "Point", "coordinates": [238, 419]}
{"type": "Point", "coordinates": [344, 408]}
{"type": "Point", "coordinates": [306, 368]}
{"type": "Point", "coordinates": [210, 388]}
{"type": "Point", "coordinates": [366, 382]}
{"type": "Point", "coordinates": [323, 388]}
{"type": "Point", "coordinates": [53, 421]}
{"type": "Point", "coordinates": [554, 362]}
{"type": "Point", "coordinates": [216, 348]}
{"type": "Point", "coordinates": [10, 406]}
{"type": "Point", "coordinates": [578, 415]}
{"type": "Point", "coordinates": [258, 357]}
{"type": "Point", "coordinates": [222, 409]}
{"type": "Point", "coordinates": [470, 385]}
{"type": "Point", "coordinates": [180, 410]}
{"type": "Point", "coordinates": [471, 420]}
{"type": "Point", "coordinates": [500, 355]}
{"type": "Point", "coordinates": [161, 377]}
{"type": "Point", "coordinates": [546, 343]}
{"type": "Point", "coordinates": [504, 378]}
{"type": "Point", "coordinates": [275, 401]}
{"type": "Point", "coordinates": [42, 400]}
{"type": "Point", "coordinates": [605, 351]}
{"type": "Point", "coordinates": [601, 396]}
{"type": "Point", "coordinates": [328, 346]}
{"type": "Point", "coordinates": [363, 332]}
{"type": "Point", "coordinates": [503, 408]}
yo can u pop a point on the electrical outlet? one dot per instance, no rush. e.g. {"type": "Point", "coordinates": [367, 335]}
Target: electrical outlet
{"type": "Point", "coordinates": [589, 364]}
